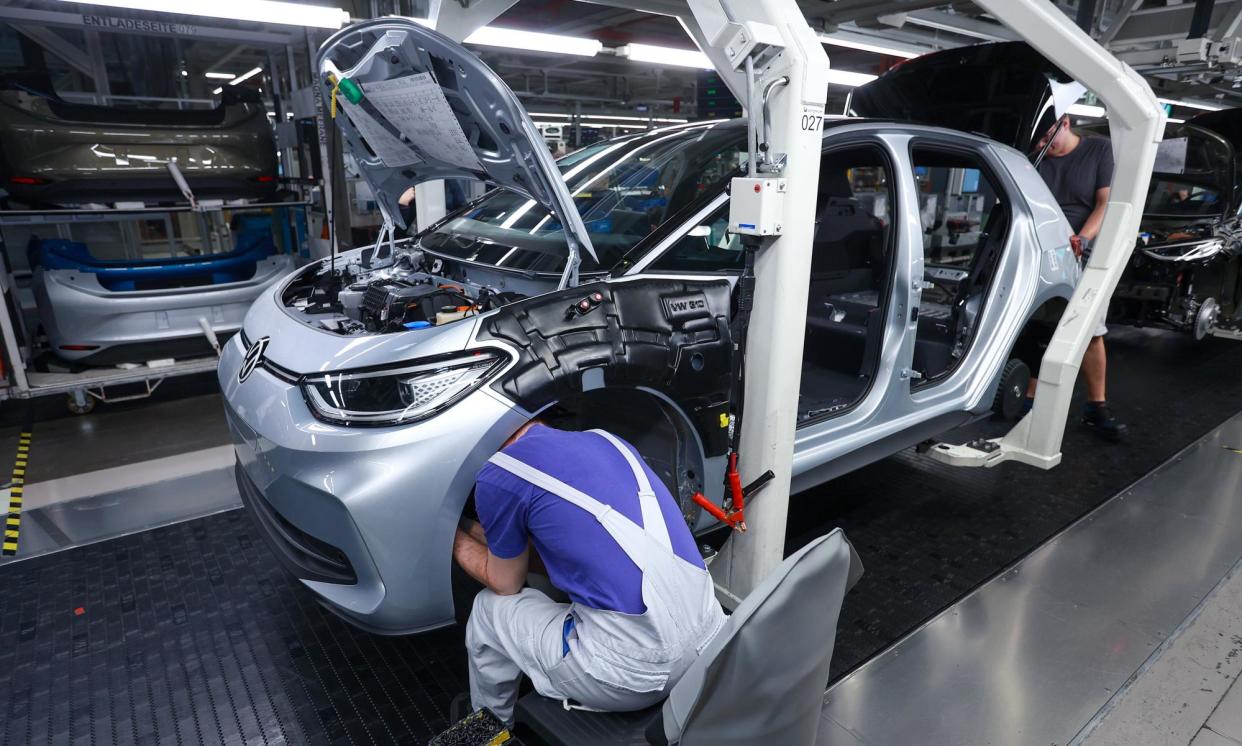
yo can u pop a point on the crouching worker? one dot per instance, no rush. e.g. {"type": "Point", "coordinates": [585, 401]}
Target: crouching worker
{"type": "Point", "coordinates": [612, 537]}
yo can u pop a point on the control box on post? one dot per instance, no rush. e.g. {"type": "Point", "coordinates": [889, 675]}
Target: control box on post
{"type": "Point", "coordinates": [756, 205]}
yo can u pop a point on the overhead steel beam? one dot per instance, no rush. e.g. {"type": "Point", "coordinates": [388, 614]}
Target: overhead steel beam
{"type": "Point", "coordinates": [94, 51]}
{"type": "Point", "coordinates": [957, 23]}
{"type": "Point", "coordinates": [1086, 15]}
{"type": "Point", "coordinates": [1118, 21]}
{"type": "Point", "coordinates": [595, 21]}
{"type": "Point", "coordinates": [552, 96]}
{"type": "Point", "coordinates": [1168, 23]}
{"type": "Point", "coordinates": [140, 26]}
{"type": "Point", "coordinates": [855, 10]}
{"type": "Point", "coordinates": [1229, 24]}
{"type": "Point", "coordinates": [674, 8]}
{"type": "Point", "coordinates": [467, 18]}
{"type": "Point", "coordinates": [57, 45]}
{"type": "Point", "coordinates": [215, 66]}
{"type": "Point", "coordinates": [1201, 21]}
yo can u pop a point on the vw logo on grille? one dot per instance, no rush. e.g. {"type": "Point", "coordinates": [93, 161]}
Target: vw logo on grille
{"type": "Point", "coordinates": [253, 358]}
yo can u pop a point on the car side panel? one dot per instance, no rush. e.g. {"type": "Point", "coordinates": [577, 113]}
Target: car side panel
{"type": "Point", "coordinates": [1037, 265]}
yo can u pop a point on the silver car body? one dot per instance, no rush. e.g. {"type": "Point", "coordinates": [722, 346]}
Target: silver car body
{"type": "Point", "coordinates": [366, 515]}
{"type": "Point", "coordinates": [76, 311]}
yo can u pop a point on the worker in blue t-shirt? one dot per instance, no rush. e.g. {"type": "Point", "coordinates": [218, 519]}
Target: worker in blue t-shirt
{"type": "Point", "coordinates": [612, 537]}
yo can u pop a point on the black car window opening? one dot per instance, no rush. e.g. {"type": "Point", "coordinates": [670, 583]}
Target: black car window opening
{"type": "Point", "coordinates": [1195, 171]}
{"type": "Point", "coordinates": [624, 191]}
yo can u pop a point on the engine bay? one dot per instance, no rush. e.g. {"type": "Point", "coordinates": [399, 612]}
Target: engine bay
{"type": "Point", "coordinates": [384, 291]}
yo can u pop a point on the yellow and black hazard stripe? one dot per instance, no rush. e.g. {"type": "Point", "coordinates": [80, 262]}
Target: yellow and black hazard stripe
{"type": "Point", "coordinates": [13, 521]}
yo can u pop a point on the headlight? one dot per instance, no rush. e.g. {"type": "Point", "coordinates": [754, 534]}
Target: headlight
{"type": "Point", "coordinates": [400, 394]}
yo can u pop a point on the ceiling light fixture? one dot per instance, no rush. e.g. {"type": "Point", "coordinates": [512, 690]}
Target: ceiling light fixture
{"type": "Point", "coordinates": [610, 116]}
{"type": "Point", "coordinates": [838, 40]}
{"type": "Point", "coordinates": [217, 92]}
{"type": "Point", "coordinates": [635, 119]}
{"type": "Point", "coordinates": [569, 123]}
{"type": "Point", "coordinates": [690, 58]}
{"type": "Point", "coordinates": [246, 75]}
{"type": "Point", "coordinates": [219, 76]}
{"type": "Point", "coordinates": [257, 11]}
{"type": "Point", "coordinates": [666, 56]}
{"type": "Point", "coordinates": [1086, 110]}
{"type": "Point", "coordinates": [849, 79]}
{"type": "Point", "coordinates": [491, 36]}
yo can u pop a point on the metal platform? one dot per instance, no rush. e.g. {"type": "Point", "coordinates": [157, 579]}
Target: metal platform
{"type": "Point", "coordinates": [1035, 654]}
{"type": "Point", "coordinates": [48, 384]}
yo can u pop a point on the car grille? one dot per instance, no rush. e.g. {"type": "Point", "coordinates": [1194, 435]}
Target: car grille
{"type": "Point", "coordinates": [306, 556]}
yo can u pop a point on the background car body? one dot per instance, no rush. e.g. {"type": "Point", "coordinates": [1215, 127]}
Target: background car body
{"type": "Point", "coordinates": [56, 152]}
{"type": "Point", "coordinates": [104, 312]}
{"type": "Point", "coordinates": [1184, 273]}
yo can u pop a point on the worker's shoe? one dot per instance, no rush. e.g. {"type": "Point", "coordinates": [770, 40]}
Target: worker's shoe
{"type": "Point", "coordinates": [1097, 417]}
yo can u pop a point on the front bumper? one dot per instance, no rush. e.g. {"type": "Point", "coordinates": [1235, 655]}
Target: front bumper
{"type": "Point", "coordinates": [77, 311]}
{"type": "Point", "coordinates": [381, 504]}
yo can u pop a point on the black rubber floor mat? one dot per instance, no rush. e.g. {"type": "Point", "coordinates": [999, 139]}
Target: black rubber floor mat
{"type": "Point", "coordinates": [193, 634]}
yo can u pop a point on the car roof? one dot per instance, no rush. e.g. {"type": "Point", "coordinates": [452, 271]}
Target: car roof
{"type": "Point", "coordinates": [832, 122]}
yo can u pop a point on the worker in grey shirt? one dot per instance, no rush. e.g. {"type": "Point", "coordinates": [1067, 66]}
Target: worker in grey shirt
{"type": "Point", "coordinates": [1079, 171]}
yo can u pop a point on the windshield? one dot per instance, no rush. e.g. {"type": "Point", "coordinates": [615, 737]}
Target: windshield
{"type": "Point", "coordinates": [624, 189]}
{"type": "Point", "coordinates": [1193, 175]}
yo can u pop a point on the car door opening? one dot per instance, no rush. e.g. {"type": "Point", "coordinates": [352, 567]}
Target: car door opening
{"type": "Point", "coordinates": [851, 277]}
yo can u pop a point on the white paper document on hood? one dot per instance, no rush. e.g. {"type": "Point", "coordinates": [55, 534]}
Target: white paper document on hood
{"type": "Point", "coordinates": [415, 105]}
{"type": "Point", "coordinates": [1171, 155]}
{"type": "Point", "coordinates": [385, 144]}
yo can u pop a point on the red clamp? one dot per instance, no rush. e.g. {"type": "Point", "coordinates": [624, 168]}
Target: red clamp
{"type": "Point", "coordinates": [735, 516]}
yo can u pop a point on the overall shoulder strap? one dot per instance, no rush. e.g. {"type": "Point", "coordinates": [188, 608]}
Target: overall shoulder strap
{"type": "Point", "coordinates": [551, 484]}
{"type": "Point", "coordinates": [653, 518]}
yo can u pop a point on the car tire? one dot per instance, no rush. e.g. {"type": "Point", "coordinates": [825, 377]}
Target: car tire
{"type": "Point", "coordinates": [1011, 390]}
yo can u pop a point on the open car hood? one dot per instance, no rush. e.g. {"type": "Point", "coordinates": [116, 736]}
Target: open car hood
{"type": "Point", "coordinates": [1227, 123]}
{"type": "Point", "coordinates": [415, 106]}
{"type": "Point", "coordinates": [1004, 91]}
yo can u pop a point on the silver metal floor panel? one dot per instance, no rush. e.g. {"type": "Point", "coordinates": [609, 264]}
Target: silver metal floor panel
{"type": "Point", "coordinates": [65, 525]}
{"type": "Point", "coordinates": [1033, 655]}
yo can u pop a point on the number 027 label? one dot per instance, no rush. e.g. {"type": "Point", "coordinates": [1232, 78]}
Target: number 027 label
{"type": "Point", "coordinates": [812, 119]}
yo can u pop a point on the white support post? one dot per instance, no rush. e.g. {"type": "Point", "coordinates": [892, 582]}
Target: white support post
{"type": "Point", "coordinates": [783, 264]}
{"type": "Point", "coordinates": [1136, 124]}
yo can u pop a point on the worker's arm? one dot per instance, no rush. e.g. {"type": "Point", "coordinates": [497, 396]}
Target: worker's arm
{"type": "Point", "coordinates": [1091, 228]}
{"type": "Point", "coordinates": [504, 576]}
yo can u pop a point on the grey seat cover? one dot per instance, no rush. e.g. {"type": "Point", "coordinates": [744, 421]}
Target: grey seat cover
{"type": "Point", "coordinates": [762, 680]}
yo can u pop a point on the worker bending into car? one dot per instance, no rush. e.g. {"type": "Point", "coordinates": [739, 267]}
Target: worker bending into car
{"type": "Point", "coordinates": [613, 538]}
{"type": "Point", "coordinates": [1079, 172]}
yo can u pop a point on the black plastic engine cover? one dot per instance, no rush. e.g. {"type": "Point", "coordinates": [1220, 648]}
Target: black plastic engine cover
{"type": "Point", "coordinates": [668, 335]}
